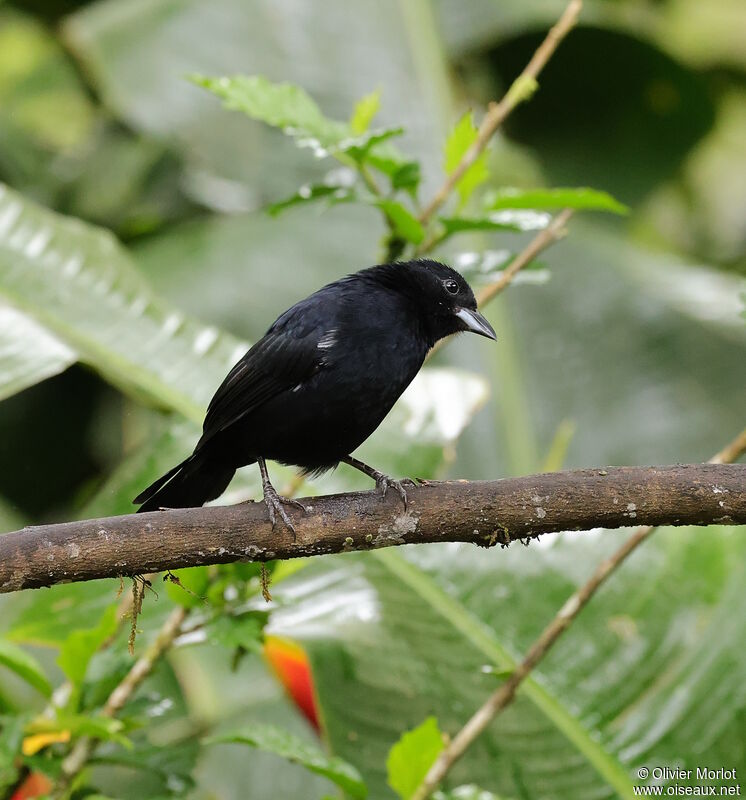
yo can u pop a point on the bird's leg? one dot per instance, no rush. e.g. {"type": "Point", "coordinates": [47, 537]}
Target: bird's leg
{"type": "Point", "coordinates": [274, 501]}
{"type": "Point", "coordinates": [382, 481]}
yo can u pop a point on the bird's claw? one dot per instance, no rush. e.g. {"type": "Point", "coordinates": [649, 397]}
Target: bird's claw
{"type": "Point", "coordinates": [276, 505]}
{"type": "Point", "coordinates": [384, 482]}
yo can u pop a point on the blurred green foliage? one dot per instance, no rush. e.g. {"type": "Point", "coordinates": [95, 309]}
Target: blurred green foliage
{"type": "Point", "coordinates": [631, 352]}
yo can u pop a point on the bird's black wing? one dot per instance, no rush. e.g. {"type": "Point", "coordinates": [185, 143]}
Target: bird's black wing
{"type": "Point", "coordinates": [287, 355]}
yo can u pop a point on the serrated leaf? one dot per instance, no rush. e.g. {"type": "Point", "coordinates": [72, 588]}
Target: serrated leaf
{"type": "Point", "coordinates": [412, 756]}
{"type": "Point", "coordinates": [293, 110]}
{"type": "Point", "coordinates": [460, 139]}
{"type": "Point", "coordinates": [581, 199]}
{"type": "Point", "coordinates": [291, 747]}
{"type": "Point", "coordinates": [310, 194]}
{"type": "Point", "coordinates": [79, 647]}
{"type": "Point", "coordinates": [404, 222]}
{"type": "Point", "coordinates": [17, 660]}
{"type": "Point", "coordinates": [363, 146]}
{"type": "Point", "coordinates": [506, 220]}
{"type": "Point", "coordinates": [365, 109]}
{"type": "Point", "coordinates": [281, 105]}
{"type": "Point", "coordinates": [402, 171]}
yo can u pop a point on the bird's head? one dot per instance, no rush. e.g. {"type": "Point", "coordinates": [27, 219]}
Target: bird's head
{"type": "Point", "coordinates": [444, 299]}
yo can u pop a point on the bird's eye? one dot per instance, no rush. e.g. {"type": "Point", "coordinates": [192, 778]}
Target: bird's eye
{"type": "Point", "coordinates": [451, 286]}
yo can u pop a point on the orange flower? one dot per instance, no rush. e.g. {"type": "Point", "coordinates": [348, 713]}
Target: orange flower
{"type": "Point", "coordinates": [290, 664]}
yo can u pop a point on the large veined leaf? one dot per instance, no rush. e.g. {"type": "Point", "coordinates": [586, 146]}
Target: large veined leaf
{"type": "Point", "coordinates": [24, 665]}
{"type": "Point", "coordinates": [379, 672]}
{"type": "Point", "coordinates": [271, 739]}
{"type": "Point", "coordinates": [28, 353]}
{"type": "Point", "coordinates": [78, 284]}
{"type": "Point", "coordinates": [640, 664]}
{"type": "Point", "coordinates": [630, 685]}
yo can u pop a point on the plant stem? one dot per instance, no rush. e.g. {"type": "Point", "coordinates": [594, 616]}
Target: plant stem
{"type": "Point", "coordinates": [577, 601]}
{"type": "Point", "coordinates": [551, 234]}
{"type": "Point", "coordinates": [86, 746]}
{"type": "Point", "coordinates": [521, 89]}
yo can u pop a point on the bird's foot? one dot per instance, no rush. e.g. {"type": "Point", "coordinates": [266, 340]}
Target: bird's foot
{"type": "Point", "coordinates": [276, 505]}
{"type": "Point", "coordinates": [385, 482]}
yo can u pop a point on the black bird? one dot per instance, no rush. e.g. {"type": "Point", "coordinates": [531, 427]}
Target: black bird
{"type": "Point", "coordinates": [321, 380]}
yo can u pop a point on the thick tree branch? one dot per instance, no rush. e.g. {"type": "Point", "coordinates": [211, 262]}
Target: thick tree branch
{"type": "Point", "coordinates": [482, 512]}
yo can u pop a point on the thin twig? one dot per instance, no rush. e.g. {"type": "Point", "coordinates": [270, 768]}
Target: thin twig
{"type": "Point", "coordinates": [85, 747]}
{"type": "Point", "coordinates": [521, 89]}
{"type": "Point", "coordinates": [503, 696]}
{"type": "Point", "coordinates": [552, 233]}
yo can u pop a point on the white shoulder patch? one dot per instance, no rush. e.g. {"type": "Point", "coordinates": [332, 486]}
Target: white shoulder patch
{"type": "Point", "coordinates": [328, 340]}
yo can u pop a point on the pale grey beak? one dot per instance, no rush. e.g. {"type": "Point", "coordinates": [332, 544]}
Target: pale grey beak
{"type": "Point", "coordinates": [476, 323]}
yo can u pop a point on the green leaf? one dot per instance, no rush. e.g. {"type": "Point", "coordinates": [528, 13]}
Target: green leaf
{"type": "Point", "coordinates": [556, 456]}
{"type": "Point", "coordinates": [466, 792]}
{"type": "Point", "coordinates": [291, 108]}
{"type": "Point", "coordinates": [245, 631]}
{"type": "Point", "coordinates": [459, 141]}
{"type": "Point", "coordinates": [80, 646]}
{"type": "Point", "coordinates": [365, 109]}
{"type": "Point", "coordinates": [115, 52]}
{"type": "Point", "coordinates": [11, 740]}
{"type": "Point", "coordinates": [169, 440]}
{"type": "Point", "coordinates": [281, 105]}
{"type": "Point", "coordinates": [581, 199]}
{"type": "Point", "coordinates": [439, 648]}
{"type": "Point", "coordinates": [274, 740]}
{"type": "Point", "coordinates": [412, 756]}
{"type": "Point", "coordinates": [406, 176]}
{"type": "Point", "coordinates": [78, 284]}
{"type": "Point", "coordinates": [99, 727]}
{"type": "Point", "coordinates": [189, 587]}
{"type": "Point", "coordinates": [362, 147]}
{"type": "Point", "coordinates": [46, 619]}
{"type": "Point", "coordinates": [28, 353]}
{"type": "Point", "coordinates": [311, 193]}
{"type": "Point", "coordinates": [405, 223]}
{"type": "Point", "coordinates": [25, 666]}
{"type": "Point", "coordinates": [169, 766]}
{"type": "Point", "coordinates": [506, 220]}
{"type": "Point", "coordinates": [402, 172]}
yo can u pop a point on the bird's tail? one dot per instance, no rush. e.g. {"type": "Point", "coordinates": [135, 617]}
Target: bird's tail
{"type": "Point", "coordinates": [192, 483]}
